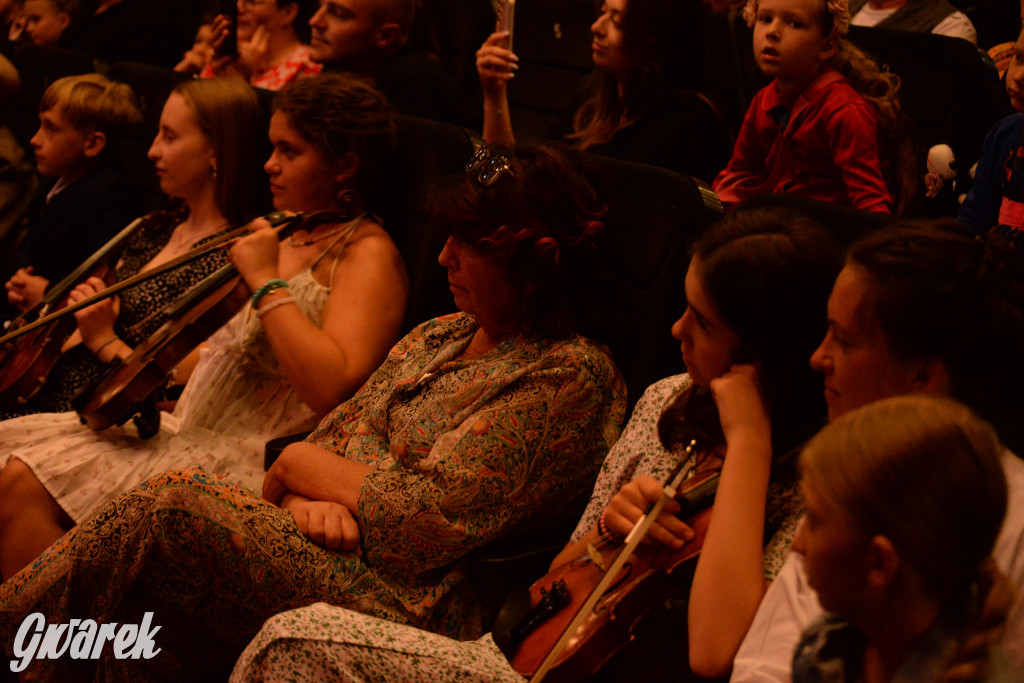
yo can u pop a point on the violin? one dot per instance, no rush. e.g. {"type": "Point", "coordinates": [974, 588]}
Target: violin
{"type": "Point", "coordinates": [585, 610]}
{"type": "Point", "coordinates": [27, 356]}
{"type": "Point", "coordinates": [126, 388]}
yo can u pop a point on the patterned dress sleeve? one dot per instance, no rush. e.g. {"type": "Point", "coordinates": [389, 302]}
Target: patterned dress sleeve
{"type": "Point", "coordinates": [518, 457]}
{"type": "Point", "coordinates": [638, 445]}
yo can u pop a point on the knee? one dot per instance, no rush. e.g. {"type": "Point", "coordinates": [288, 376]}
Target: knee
{"type": "Point", "coordinates": [20, 490]}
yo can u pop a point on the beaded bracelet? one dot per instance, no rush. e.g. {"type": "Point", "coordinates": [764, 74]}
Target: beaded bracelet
{"type": "Point", "coordinates": [268, 287]}
{"type": "Point", "coordinates": [606, 533]}
{"type": "Point", "coordinates": [260, 312]}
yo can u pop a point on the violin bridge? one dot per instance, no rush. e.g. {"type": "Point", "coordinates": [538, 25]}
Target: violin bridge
{"type": "Point", "coordinates": [596, 558]}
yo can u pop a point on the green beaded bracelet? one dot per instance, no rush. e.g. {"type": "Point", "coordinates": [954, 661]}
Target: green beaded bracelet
{"type": "Point", "coordinates": [267, 288]}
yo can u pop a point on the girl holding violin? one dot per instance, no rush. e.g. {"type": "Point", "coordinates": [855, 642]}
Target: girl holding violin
{"type": "Point", "coordinates": [327, 303]}
{"type": "Point", "coordinates": [901, 606]}
{"type": "Point", "coordinates": [756, 293]}
{"type": "Point", "coordinates": [204, 159]}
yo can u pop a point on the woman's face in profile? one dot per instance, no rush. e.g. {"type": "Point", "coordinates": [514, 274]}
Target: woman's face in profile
{"type": "Point", "coordinates": [183, 156]}
{"type": "Point", "coordinates": [481, 287]}
{"type": "Point", "coordinates": [708, 344]}
{"type": "Point", "coordinates": [301, 180]}
{"type": "Point", "coordinates": [609, 47]}
{"type": "Point", "coordinates": [855, 357]}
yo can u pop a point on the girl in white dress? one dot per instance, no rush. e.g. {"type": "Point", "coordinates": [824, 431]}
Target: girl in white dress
{"type": "Point", "coordinates": [299, 349]}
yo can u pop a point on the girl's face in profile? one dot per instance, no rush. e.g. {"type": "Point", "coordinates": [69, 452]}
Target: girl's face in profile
{"type": "Point", "coordinates": [836, 555]}
{"type": "Point", "coordinates": [609, 48]}
{"type": "Point", "coordinates": [709, 345]}
{"type": "Point", "coordinates": [301, 179]}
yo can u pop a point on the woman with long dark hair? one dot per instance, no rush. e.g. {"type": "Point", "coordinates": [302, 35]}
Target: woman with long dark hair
{"type": "Point", "coordinates": [641, 104]}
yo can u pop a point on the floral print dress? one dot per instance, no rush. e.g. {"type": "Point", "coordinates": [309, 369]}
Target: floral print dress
{"type": "Point", "coordinates": [461, 452]}
{"type": "Point", "coordinates": [321, 642]}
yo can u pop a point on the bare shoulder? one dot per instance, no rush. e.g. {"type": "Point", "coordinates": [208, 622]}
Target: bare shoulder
{"type": "Point", "coordinates": [372, 241]}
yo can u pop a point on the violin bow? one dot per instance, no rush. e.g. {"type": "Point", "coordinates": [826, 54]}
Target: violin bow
{"type": "Point", "coordinates": [276, 219]}
{"type": "Point", "coordinates": [636, 535]}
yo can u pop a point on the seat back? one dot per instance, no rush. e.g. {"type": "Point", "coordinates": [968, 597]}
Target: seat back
{"type": "Point", "coordinates": [654, 215]}
{"type": "Point", "coordinates": [845, 222]}
{"type": "Point", "coordinates": [38, 67]}
{"type": "Point", "coordinates": [947, 87]}
{"type": "Point", "coordinates": [426, 153]}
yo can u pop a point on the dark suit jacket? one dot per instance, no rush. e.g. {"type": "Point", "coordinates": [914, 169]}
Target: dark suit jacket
{"type": "Point", "coordinates": [65, 231]}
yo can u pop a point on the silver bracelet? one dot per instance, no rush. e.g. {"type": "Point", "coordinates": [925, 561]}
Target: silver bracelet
{"type": "Point", "coordinates": [260, 312]}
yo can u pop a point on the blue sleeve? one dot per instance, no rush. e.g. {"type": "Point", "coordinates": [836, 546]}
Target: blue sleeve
{"type": "Point", "coordinates": [980, 210]}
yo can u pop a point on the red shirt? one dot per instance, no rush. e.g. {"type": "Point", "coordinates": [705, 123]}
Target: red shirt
{"type": "Point", "coordinates": [827, 151]}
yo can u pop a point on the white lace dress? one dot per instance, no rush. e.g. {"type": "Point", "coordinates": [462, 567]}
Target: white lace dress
{"type": "Point", "coordinates": [235, 401]}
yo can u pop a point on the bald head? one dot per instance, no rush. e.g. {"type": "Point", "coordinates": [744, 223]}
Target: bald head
{"type": "Point", "coordinates": [358, 35]}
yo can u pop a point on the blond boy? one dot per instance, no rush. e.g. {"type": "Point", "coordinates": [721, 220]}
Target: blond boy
{"type": "Point", "coordinates": [86, 198]}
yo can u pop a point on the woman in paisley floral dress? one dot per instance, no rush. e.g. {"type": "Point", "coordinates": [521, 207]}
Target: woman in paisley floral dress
{"type": "Point", "coordinates": [276, 368]}
{"type": "Point", "coordinates": [756, 292]}
{"type": "Point", "coordinates": [476, 424]}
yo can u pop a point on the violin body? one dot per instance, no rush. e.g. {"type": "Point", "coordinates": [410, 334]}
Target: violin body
{"type": "Point", "coordinates": [653, 573]}
{"type": "Point", "coordinates": [26, 362]}
{"type": "Point", "coordinates": [124, 389]}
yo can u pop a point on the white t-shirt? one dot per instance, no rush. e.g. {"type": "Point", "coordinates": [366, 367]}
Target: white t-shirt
{"type": "Point", "coordinates": [956, 25]}
{"type": "Point", "coordinates": [790, 605]}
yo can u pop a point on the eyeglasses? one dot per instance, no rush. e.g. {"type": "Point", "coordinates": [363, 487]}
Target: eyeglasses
{"type": "Point", "coordinates": [489, 167]}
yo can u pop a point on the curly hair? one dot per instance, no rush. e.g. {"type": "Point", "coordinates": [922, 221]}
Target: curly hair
{"type": "Point", "coordinates": [542, 225]}
{"type": "Point", "coordinates": [341, 114]}
{"type": "Point", "coordinates": [880, 88]}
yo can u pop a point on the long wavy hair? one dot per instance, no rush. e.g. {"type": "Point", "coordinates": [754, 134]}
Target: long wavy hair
{"type": "Point", "coordinates": [666, 39]}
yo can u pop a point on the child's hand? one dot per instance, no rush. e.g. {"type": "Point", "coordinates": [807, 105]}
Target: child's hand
{"type": "Point", "coordinates": [495, 63]}
{"type": "Point", "coordinates": [96, 322]}
{"type": "Point", "coordinates": [741, 406]}
{"type": "Point", "coordinates": [25, 290]}
{"type": "Point", "coordinates": [632, 501]}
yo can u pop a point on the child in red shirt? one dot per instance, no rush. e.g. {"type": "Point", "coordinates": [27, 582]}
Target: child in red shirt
{"type": "Point", "coordinates": [811, 132]}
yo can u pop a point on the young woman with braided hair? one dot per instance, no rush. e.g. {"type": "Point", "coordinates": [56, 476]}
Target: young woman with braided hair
{"type": "Point", "coordinates": [886, 487]}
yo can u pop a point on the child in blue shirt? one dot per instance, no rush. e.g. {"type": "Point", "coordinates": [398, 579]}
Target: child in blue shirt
{"type": "Point", "coordinates": [996, 200]}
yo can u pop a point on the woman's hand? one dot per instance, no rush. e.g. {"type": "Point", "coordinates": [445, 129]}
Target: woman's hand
{"type": "Point", "coordinates": [95, 322]}
{"type": "Point", "coordinates": [741, 406]}
{"type": "Point", "coordinates": [25, 289]}
{"type": "Point", "coordinates": [255, 255]}
{"type": "Point", "coordinates": [495, 63]}
{"type": "Point", "coordinates": [328, 524]}
{"type": "Point", "coordinates": [209, 39]}
{"type": "Point", "coordinates": [632, 500]}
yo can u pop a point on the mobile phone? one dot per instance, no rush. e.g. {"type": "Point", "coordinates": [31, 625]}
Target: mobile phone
{"type": "Point", "coordinates": [507, 19]}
